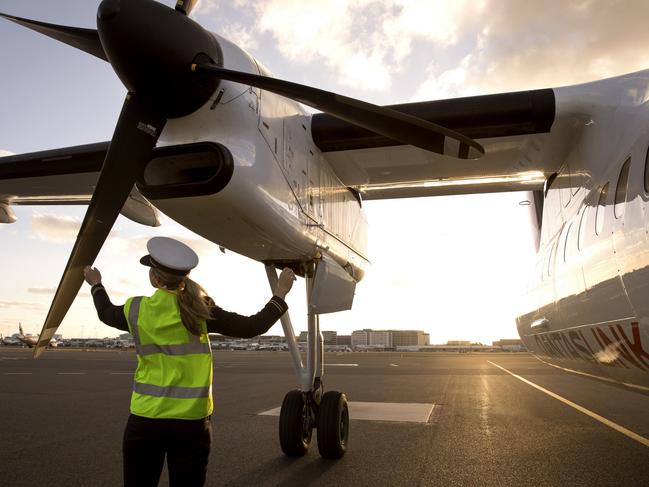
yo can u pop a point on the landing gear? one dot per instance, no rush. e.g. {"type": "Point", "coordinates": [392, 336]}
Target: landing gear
{"type": "Point", "coordinates": [308, 408]}
{"type": "Point", "coordinates": [333, 425]}
{"type": "Point", "coordinates": [295, 424]}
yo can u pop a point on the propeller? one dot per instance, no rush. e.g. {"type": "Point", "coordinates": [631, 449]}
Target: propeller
{"type": "Point", "coordinates": [385, 121]}
{"type": "Point", "coordinates": [151, 48]}
{"type": "Point", "coordinates": [154, 67]}
{"type": "Point", "coordinates": [186, 6]}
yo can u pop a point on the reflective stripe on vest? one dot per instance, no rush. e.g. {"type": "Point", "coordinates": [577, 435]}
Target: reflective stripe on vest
{"type": "Point", "coordinates": [194, 346]}
{"type": "Point", "coordinates": [171, 391]}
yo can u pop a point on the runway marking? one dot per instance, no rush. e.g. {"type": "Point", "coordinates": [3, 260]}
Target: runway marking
{"type": "Point", "coordinates": [70, 373]}
{"type": "Point", "coordinates": [121, 373]}
{"type": "Point", "coordinates": [394, 365]}
{"type": "Point", "coordinates": [621, 429]}
{"type": "Point", "coordinates": [381, 411]}
{"type": "Point", "coordinates": [341, 365]}
{"type": "Point", "coordinates": [16, 373]}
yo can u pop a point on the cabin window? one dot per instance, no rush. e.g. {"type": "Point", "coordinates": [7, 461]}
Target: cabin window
{"type": "Point", "coordinates": [601, 209]}
{"type": "Point", "coordinates": [564, 184]}
{"type": "Point", "coordinates": [565, 244]}
{"type": "Point", "coordinates": [582, 228]}
{"type": "Point", "coordinates": [549, 268]}
{"type": "Point", "coordinates": [620, 189]}
{"type": "Point", "coordinates": [646, 172]}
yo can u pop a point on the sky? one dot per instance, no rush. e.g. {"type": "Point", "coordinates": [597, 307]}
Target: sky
{"type": "Point", "coordinates": [453, 266]}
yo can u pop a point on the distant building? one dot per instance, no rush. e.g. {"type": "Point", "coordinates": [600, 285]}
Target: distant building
{"type": "Point", "coordinates": [408, 338]}
{"type": "Point", "coordinates": [510, 345]}
{"type": "Point", "coordinates": [303, 337]}
{"type": "Point", "coordinates": [380, 339]}
{"type": "Point", "coordinates": [459, 343]}
{"type": "Point", "coordinates": [344, 340]}
{"type": "Point", "coordinates": [361, 338]}
{"type": "Point", "coordinates": [330, 337]}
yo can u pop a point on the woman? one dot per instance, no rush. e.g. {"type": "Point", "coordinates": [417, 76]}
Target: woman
{"type": "Point", "coordinates": [171, 404]}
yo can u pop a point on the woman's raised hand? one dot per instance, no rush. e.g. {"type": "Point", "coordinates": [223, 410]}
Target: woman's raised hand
{"type": "Point", "coordinates": [285, 282]}
{"type": "Point", "coordinates": [91, 275]}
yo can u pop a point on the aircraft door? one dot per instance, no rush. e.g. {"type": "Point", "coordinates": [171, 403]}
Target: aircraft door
{"type": "Point", "coordinates": [295, 159]}
{"type": "Point", "coordinates": [314, 202]}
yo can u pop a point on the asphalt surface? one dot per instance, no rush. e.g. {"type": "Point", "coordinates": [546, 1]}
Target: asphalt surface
{"type": "Point", "coordinates": [62, 418]}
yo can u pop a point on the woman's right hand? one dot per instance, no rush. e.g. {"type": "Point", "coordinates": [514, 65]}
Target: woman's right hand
{"type": "Point", "coordinates": [285, 282]}
{"type": "Point", "coordinates": [91, 275]}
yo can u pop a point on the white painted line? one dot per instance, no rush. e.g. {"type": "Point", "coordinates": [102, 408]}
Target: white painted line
{"type": "Point", "coordinates": [381, 411]}
{"type": "Point", "coordinates": [341, 365]}
{"type": "Point", "coordinates": [70, 373]}
{"type": "Point", "coordinates": [16, 373]}
{"type": "Point", "coordinates": [621, 429]}
{"type": "Point", "coordinates": [121, 373]}
{"type": "Point", "coordinates": [394, 365]}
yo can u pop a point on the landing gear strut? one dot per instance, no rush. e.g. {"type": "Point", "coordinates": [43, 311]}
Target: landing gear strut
{"type": "Point", "coordinates": [307, 408]}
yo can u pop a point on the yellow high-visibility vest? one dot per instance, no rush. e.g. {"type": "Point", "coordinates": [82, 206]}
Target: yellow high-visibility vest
{"type": "Point", "coordinates": [173, 378]}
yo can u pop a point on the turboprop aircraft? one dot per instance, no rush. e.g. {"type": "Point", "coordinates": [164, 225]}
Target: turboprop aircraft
{"type": "Point", "coordinates": [209, 138]}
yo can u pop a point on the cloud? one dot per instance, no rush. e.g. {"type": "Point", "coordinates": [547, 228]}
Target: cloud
{"type": "Point", "coordinates": [55, 228]}
{"type": "Point", "coordinates": [527, 45]}
{"type": "Point", "coordinates": [4, 153]}
{"type": "Point", "coordinates": [41, 290]}
{"type": "Point", "coordinates": [363, 41]}
{"type": "Point", "coordinates": [49, 291]}
{"type": "Point", "coordinates": [241, 35]}
{"type": "Point", "coordinates": [28, 305]}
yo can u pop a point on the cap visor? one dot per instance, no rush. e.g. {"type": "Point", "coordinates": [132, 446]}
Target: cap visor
{"type": "Point", "coordinates": [146, 260]}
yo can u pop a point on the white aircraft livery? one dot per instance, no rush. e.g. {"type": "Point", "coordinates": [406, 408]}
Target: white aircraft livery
{"type": "Point", "coordinates": [207, 136]}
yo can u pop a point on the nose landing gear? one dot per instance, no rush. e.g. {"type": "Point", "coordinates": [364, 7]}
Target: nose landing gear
{"type": "Point", "coordinates": [308, 408]}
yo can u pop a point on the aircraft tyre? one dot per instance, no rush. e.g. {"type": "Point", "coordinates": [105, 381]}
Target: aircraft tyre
{"type": "Point", "coordinates": [295, 429]}
{"type": "Point", "coordinates": [333, 425]}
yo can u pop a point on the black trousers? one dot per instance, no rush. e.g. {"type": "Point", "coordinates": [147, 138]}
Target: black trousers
{"type": "Point", "coordinates": [186, 444]}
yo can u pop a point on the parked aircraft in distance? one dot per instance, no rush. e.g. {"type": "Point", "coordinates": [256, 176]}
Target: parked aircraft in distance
{"type": "Point", "coordinates": [208, 137]}
{"type": "Point", "coordinates": [31, 340]}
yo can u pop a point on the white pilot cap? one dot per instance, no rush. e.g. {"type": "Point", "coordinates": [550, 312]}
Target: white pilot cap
{"type": "Point", "coordinates": [170, 256]}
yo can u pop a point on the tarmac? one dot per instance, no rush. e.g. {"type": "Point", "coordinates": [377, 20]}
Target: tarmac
{"type": "Point", "coordinates": [476, 424]}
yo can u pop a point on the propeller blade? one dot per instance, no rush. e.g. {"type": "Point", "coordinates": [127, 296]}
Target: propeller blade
{"type": "Point", "coordinates": [136, 134]}
{"type": "Point", "coordinates": [385, 121]}
{"type": "Point", "coordinates": [86, 40]}
{"type": "Point", "coordinates": [186, 6]}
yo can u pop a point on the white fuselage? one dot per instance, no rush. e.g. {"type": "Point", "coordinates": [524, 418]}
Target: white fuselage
{"type": "Point", "coordinates": [586, 308]}
{"type": "Point", "coordinates": [283, 203]}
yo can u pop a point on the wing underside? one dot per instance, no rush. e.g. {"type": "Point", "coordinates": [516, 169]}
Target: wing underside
{"type": "Point", "coordinates": [524, 143]}
{"type": "Point", "coordinates": [64, 176]}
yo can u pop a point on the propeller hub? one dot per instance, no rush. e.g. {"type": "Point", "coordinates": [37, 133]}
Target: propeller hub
{"type": "Point", "coordinates": [152, 47]}
{"type": "Point", "coordinates": [108, 9]}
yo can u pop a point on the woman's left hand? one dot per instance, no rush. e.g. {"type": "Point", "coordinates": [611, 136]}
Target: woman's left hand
{"type": "Point", "coordinates": [91, 275]}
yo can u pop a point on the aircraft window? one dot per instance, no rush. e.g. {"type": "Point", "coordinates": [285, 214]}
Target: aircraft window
{"type": "Point", "coordinates": [601, 205]}
{"type": "Point", "coordinates": [620, 190]}
{"type": "Point", "coordinates": [582, 228]}
{"type": "Point", "coordinates": [646, 172]}
{"type": "Point", "coordinates": [565, 243]}
{"type": "Point", "coordinates": [549, 270]}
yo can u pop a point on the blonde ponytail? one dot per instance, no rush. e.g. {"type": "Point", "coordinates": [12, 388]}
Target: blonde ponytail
{"type": "Point", "coordinates": [193, 300]}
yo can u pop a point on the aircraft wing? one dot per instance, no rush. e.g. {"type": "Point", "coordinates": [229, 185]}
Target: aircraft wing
{"type": "Point", "coordinates": [64, 176]}
{"type": "Point", "coordinates": [525, 142]}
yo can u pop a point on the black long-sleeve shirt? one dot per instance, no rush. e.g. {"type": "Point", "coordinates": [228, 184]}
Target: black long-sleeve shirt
{"type": "Point", "coordinates": [223, 322]}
